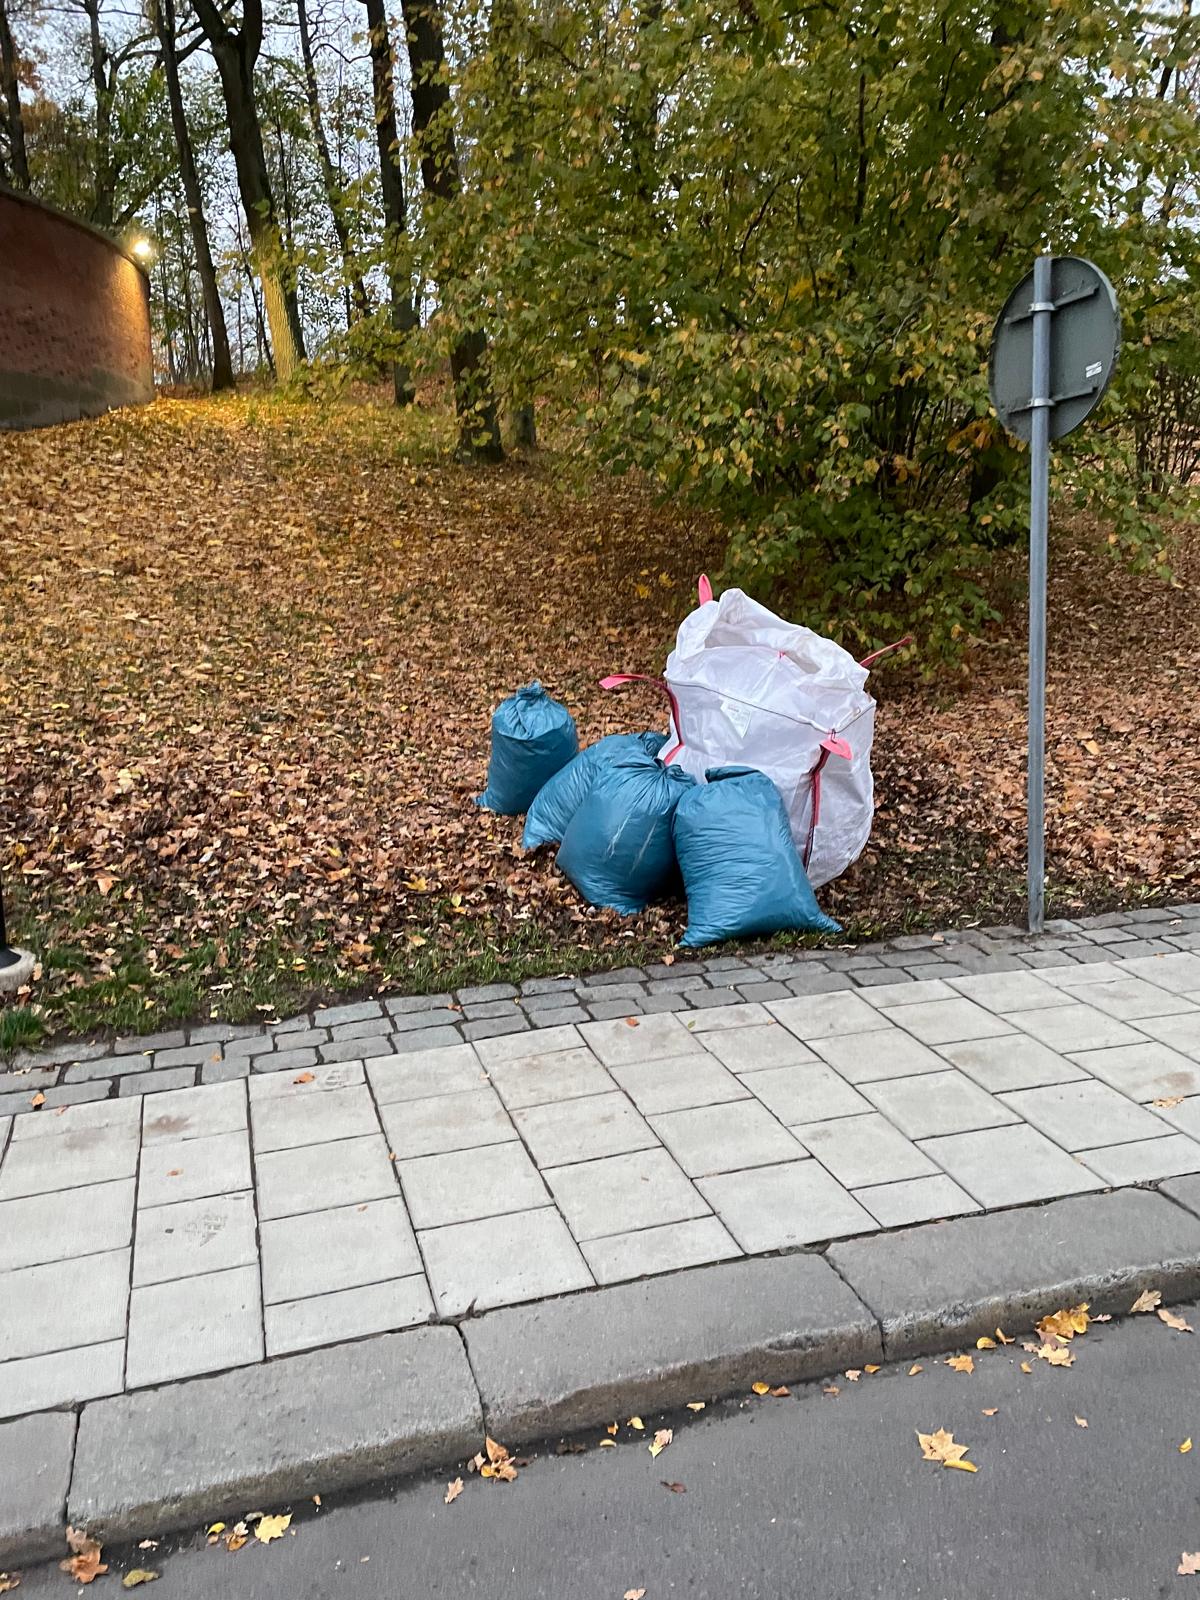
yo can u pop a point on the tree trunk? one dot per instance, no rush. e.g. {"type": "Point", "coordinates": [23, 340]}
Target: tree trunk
{"type": "Point", "coordinates": [102, 88]}
{"type": "Point", "coordinates": [235, 55]}
{"type": "Point", "coordinates": [479, 429]}
{"type": "Point", "coordinates": [391, 183]}
{"type": "Point", "coordinates": [222, 366]}
{"type": "Point", "coordinates": [329, 175]}
{"type": "Point", "coordinates": [524, 427]}
{"type": "Point", "coordinates": [14, 122]}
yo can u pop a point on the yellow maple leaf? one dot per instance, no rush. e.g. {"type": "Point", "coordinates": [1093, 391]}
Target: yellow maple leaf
{"type": "Point", "coordinates": [1064, 1324]}
{"type": "Point", "coordinates": [1056, 1355]}
{"type": "Point", "coordinates": [961, 1363]}
{"type": "Point", "coordinates": [268, 1528]}
{"type": "Point", "coordinates": [940, 1446]}
{"type": "Point", "coordinates": [760, 1388]}
{"type": "Point", "coordinates": [660, 1441]}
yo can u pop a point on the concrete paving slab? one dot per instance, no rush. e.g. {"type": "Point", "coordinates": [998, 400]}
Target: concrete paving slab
{"type": "Point", "coordinates": [709, 1139]}
{"type": "Point", "coordinates": [61, 1378]}
{"type": "Point", "coordinates": [908, 994]}
{"type": "Point", "coordinates": [287, 1122]}
{"type": "Point", "coordinates": [811, 1092]}
{"type": "Point", "coordinates": [72, 1159]}
{"type": "Point", "coordinates": [824, 1016]}
{"type": "Point", "coordinates": [937, 1103]}
{"type": "Point", "coordinates": [676, 1083]}
{"type": "Point", "coordinates": [1181, 1033]}
{"type": "Point", "coordinates": [754, 1049]}
{"type": "Point", "coordinates": [624, 1193]}
{"type": "Point", "coordinates": [536, 1080]}
{"type": "Point", "coordinates": [1145, 1161]}
{"type": "Point", "coordinates": [582, 1130]}
{"type": "Point", "coordinates": [79, 1119]}
{"type": "Point", "coordinates": [1013, 1061]}
{"type": "Point", "coordinates": [209, 1448]}
{"type": "Point", "coordinates": [466, 1184]}
{"type": "Point", "coordinates": [222, 1313]}
{"type": "Point", "coordinates": [1185, 1115]}
{"type": "Point", "coordinates": [343, 1248]}
{"type": "Point", "coordinates": [321, 1177]}
{"type": "Point", "coordinates": [897, 1205]}
{"type": "Point", "coordinates": [446, 1122]}
{"type": "Point", "coordinates": [1180, 974]}
{"type": "Point", "coordinates": [347, 1314]}
{"type": "Point", "coordinates": [35, 1472]}
{"type": "Point", "coordinates": [61, 1226]}
{"type": "Point", "coordinates": [448, 1069]}
{"type": "Point", "coordinates": [941, 1288]}
{"type": "Point", "coordinates": [617, 1044]}
{"type": "Point", "coordinates": [37, 1317]}
{"type": "Point", "coordinates": [1081, 1116]}
{"type": "Point", "coordinates": [1004, 992]}
{"type": "Point", "coordinates": [502, 1260]}
{"type": "Point", "coordinates": [1144, 1072]}
{"type": "Point", "coordinates": [779, 1208]}
{"type": "Point", "coordinates": [1010, 1166]}
{"type": "Point", "coordinates": [884, 1052]}
{"type": "Point", "coordinates": [1069, 1029]}
{"type": "Point", "coordinates": [194, 1169]}
{"type": "Point", "coordinates": [948, 1021]}
{"type": "Point", "coordinates": [514, 1047]}
{"type": "Point", "coordinates": [1133, 998]}
{"type": "Point", "coordinates": [624, 1256]}
{"type": "Point", "coordinates": [863, 1150]}
{"type": "Point", "coordinates": [275, 1083]}
{"type": "Point", "coordinates": [554, 1368]}
{"type": "Point", "coordinates": [194, 1113]}
{"type": "Point", "coordinates": [194, 1237]}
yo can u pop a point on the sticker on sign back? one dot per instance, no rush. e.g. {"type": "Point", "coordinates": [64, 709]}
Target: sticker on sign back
{"type": "Point", "coordinates": [738, 714]}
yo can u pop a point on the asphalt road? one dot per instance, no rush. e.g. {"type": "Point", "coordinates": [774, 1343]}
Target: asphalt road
{"type": "Point", "coordinates": [810, 1496]}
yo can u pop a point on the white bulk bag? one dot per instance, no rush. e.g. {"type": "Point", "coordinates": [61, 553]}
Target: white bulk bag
{"type": "Point", "coordinates": [748, 689]}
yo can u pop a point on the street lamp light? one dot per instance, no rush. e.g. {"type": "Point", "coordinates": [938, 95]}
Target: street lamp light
{"type": "Point", "coordinates": [143, 249]}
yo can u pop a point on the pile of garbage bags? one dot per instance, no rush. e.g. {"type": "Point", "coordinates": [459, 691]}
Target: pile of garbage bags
{"type": "Point", "coordinates": [760, 789]}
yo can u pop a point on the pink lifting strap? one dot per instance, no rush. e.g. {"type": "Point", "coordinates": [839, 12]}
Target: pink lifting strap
{"type": "Point", "coordinates": [832, 746]}
{"type": "Point", "coordinates": [885, 650]}
{"type": "Point", "coordinates": [704, 589]}
{"type": "Point", "coordinates": [618, 679]}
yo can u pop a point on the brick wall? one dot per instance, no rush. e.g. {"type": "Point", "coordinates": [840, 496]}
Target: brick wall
{"type": "Point", "coordinates": [74, 319]}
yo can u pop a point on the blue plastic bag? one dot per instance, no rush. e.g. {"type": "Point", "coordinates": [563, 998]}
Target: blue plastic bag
{"type": "Point", "coordinates": [741, 870]}
{"type": "Point", "coordinates": [559, 800]}
{"type": "Point", "coordinates": [533, 736]}
{"type": "Point", "coordinates": [617, 848]}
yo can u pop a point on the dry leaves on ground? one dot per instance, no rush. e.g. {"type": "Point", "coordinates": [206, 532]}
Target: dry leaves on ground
{"type": "Point", "coordinates": [940, 1446]}
{"type": "Point", "coordinates": [1148, 1300]}
{"type": "Point", "coordinates": [1189, 1565]}
{"type": "Point", "coordinates": [1056, 1354]}
{"type": "Point", "coordinates": [660, 1441]}
{"type": "Point", "coordinates": [453, 1490]}
{"type": "Point", "coordinates": [499, 1466]}
{"type": "Point", "coordinates": [1081, 1422]}
{"type": "Point", "coordinates": [268, 1528]}
{"type": "Point", "coordinates": [84, 1564]}
{"type": "Point", "coordinates": [1174, 1321]}
{"type": "Point", "coordinates": [961, 1363]}
{"type": "Point", "coordinates": [1185, 1448]}
{"type": "Point", "coordinates": [9, 1581]}
{"type": "Point", "coordinates": [633, 1594]}
{"type": "Point", "coordinates": [1064, 1325]}
{"type": "Point", "coordinates": [137, 1576]}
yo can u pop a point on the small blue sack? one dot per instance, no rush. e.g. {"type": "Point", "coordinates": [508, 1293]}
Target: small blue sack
{"type": "Point", "coordinates": [617, 848]}
{"type": "Point", "coordinates": [559, 800]}
{"type": "Point", "coordinates": [741, 870]}
{"type": "Point", "coordinates": [532, 737]}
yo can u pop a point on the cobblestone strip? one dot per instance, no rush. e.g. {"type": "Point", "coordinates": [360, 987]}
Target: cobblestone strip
{"type": "Point", "coordinates": [219, 1052]}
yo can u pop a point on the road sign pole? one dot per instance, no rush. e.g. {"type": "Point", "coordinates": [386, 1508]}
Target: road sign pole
{"type": "Point", "coordinates": [1039, 525]}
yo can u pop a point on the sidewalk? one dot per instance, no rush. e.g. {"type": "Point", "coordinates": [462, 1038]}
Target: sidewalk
{"type": "Point", "coordinates": [152, 1237]}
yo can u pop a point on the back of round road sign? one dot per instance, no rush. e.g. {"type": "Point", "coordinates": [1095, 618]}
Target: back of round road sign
{"type": "Point", "coordinates": [1085, 338]}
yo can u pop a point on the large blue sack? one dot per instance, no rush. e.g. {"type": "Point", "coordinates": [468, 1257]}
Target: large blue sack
{"type": "Point", "coordinates": [617, 848]}
{"type": "Point", "coordinates": [533, 736]}
{"type": "Point", "coordinates": [559, 800]}
{"type": "Point", "coordinates": [740, 866]}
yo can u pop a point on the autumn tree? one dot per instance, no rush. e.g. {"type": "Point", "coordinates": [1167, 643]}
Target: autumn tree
{"type": "Point", "coordinates": [403, 315]}
{"type": "Point", "coordinates": [14, 163]}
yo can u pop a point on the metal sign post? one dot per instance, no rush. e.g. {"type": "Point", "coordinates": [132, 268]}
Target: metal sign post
{"type": "Point", "coordinates": [1054, 350]}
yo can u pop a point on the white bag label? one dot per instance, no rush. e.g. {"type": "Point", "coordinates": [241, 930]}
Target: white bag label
{"type": "Point", "coordinates": [738, 714]}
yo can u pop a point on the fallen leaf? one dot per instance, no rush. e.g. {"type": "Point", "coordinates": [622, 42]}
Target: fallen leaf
{"type": "Point", "coordinates": [868, 1369]}
{"type": "Point", "coordinates": [1090, 745]}
{"type": "Point", "coordinates": [236, 1537]}
{"type": "Point", "coordinates": [1148, 1300]}
{"type": "Point", "coordinates": [316, 1500]}
{"type": "Point", "coordinates": [991, 1411]}
{"type": "Point", "coordinates": [831, 1389]}
{"type": "Point", "coordinates": [85, 1566]}
{"type": "Point", "coordinates": [495, 1452]}
{"type": "Point", "coordinates": [961, 1363]}
{"type": "Point", "coordinates": [985, 1343]}
{"type": "Point", "coordinates": [475, 1463]}
{"type": "Point", "coordinates": [633, 1594]}
{"type": "Point", "coordinates": [962, 1466]}
{"type": "Point", "coordinates": [9, 1581]}
{"type": "Point", "coordinates": [608, 1444]}
{"type": "Point", "coordinates": [612, 1427]}
{"type": "Point", "coordinates": [760, 1388]}
{"type": "Point", "coordinates": [1025, 1367]}
{"type": "Point", "coordinates": [914, 1369]}
{"type": "Point", "coordinates": [675, 1488]}
{"type": "Point", "coordinates": [940, 1446]}
{"type": "Point", "coordinates": [854, 1374]}
{"type": "Point", "coordinates": [1003, 1337]}
{"type": "Point", "coordinates": [1173, 1321]}
{"type": "Point", "coordinates": [453, 1490]}
{"type": "Point", "coordinates": [147, 1544]}
{"type": "Point", "coordinates": [39, 1099]}
{"type": "Point", "coordinates": [782, 1392]}
{"type": "Point", "coordinates": [1189, 1565]}
{"type": "Point", "coordinates": [268, 1528]}
{"type": "Point", "coordinates": [1064, 1324]}
{"type": "Point", "coordinates": [139, 1575]}
{"type": "Point", "coordinates": [1104, 1316]}
{"type": "Point", "coordinates": [1056, 1355]}
{"type": "Point", "coordinates": [217, 1527]}
{"type": "Point", "coordinates": [695, 1405]}
{"type": "Point", "coordinates": [1168, 1102]}
{"type": "Point", "coordinates": [660, 1441]}
{"type": "Point", "coordinates": [636, 1422]}
{"type": "Point", "coordinates": [631, 1022]}
{"type": "Point", "coordinates": [1081, 1422]}
{"type": "Point", "coordinates": [305, 1077]}
{"type": "Point", "coordinates": [1185, 1447]}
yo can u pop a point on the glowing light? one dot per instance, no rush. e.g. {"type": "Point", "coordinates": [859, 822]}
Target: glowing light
{"type": "Point", "coordinates": [143, 248]}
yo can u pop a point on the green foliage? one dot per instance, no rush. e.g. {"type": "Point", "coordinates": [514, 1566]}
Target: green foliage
{"type": "Point", "coordinates": [759, 248]}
